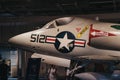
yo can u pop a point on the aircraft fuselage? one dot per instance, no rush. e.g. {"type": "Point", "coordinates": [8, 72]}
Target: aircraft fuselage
{"type": "Point", "coordinates": [79, 38]}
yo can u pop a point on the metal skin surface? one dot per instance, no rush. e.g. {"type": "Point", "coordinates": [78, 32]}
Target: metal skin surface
{"type": "Point", "coordinates": [73, 37]}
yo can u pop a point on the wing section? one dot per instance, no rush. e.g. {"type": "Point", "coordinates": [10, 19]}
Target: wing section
{"type": "Point", "coordinates": [99, 57]}
{"type": "Point", "coordinates": [52, 60]}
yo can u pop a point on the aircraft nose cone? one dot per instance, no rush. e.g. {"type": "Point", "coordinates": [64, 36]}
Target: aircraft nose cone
{"type": "Point", "coordinates": [11, 40]}
{"type": "Point", "coordinates": [22, 39]}
{"type": "Point", "coordinates": [15, 40]}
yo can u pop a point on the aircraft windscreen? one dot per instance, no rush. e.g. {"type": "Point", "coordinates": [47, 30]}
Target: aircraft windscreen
{"type": "Point", "coordinates": [52, 26]}
{"type": "Point", "coordinates": [59, 22]}
{"type": "Point", "coordinates": [63, 21]}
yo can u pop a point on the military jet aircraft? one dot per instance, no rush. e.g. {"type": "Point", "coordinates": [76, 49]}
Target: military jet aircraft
{"type": "Point", "coordinates": [68, 38]}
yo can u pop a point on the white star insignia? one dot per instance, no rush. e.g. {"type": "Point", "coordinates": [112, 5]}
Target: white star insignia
{"type": "Point", "coordinates": [64, 42]}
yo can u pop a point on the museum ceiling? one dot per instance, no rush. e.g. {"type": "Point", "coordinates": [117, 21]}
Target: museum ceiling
{"type": "Point", "coordinates": [57, 7]}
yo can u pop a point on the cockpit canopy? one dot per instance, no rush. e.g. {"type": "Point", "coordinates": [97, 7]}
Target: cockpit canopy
{"type": "Point", "coordinates": [63, 21]}
{"type": "Point", "coordinates": [59, 22]}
